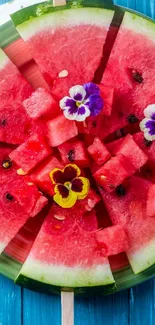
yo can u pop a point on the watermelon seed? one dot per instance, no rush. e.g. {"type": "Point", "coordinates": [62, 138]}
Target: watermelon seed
{"type": "Point", "coordinates": [94, 124]}
{"type": "Point", "coordinates": [147, 143]}
{"type": "Point", "coordinates": [9, 197]}
{"type": "Point", "coordinates": [132, 119]}
{"type": "Point", "coordinates": [61, 218]}
{"type": "Point", "coordinates": [63, 73]}
{"type": "Point", "coordinates": [137, 76]}
{"type": "Point", "coordinates": [20, 171]}
{"type": "Point", "coordinates": [3, 123]}
{"type": "Point", "coordinates": [120, 190]}
{"type": "Point", "coordinates": [71, 155]}
{"type": "Point", "coordinates": [7, 163]}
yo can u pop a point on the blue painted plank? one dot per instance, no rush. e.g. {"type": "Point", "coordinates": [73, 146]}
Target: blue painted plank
{"type": "Point", "coordinates": [110, 310]}
{"type": "Point", "coordinates": [40, 309]}
{"type": "Point", "coordinates": [142, 304]}
{"type": "Point", "coordinates": [10, 303]}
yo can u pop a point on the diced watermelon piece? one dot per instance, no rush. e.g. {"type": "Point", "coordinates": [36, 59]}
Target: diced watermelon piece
{"type": "Point", "coordinates": [147, 146]}
{"type": "Point", "coordinates": [107, 93]}
{"type": "Point", "coordinates": [41, 103]}
{"type": "Point", "coordinates": [90, 201]}
{"type": "Point", "coordinates": [99, 152]}
{"type": "Point", "coordinates": [150, 211]}
{"type": "Point", "coordinates": [31, 153]}
{"type": "Point", "coordinates": [74, 151]}
{"type": "Point", "coordinates": [60, 130]}
{"type": "Point", "coordinates": [114, 146]}
{"type": "Point", "coordinates": [40, 176]}
{"type": "Point", "coordinates": [129, 148]}
{"type": "Point", "coordinates": [41, 202]}
{"type": "Point", "coordinates": [113, 240]}
{"type": "Point", "coordinates": [114, 172]}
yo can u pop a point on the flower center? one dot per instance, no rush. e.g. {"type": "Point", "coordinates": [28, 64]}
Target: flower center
{"type": "Point", "coordinates": [78, 103]}
{"type": "Point", "coordinates": [68, 185]}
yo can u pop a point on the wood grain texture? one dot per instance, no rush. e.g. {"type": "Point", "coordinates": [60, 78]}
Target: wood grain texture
{"type": "Point", "coordinates": [131, 307]}
{"type": "Point", "coordinates": [67, 308]}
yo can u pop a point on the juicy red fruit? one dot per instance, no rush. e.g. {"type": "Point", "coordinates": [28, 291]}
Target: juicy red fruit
{"type": "Point", "coordinates": [74, 152]}
{"type": "Point", "coordinates": [99, 152]}
{"type": "Point", "coordinates": [31, 153]}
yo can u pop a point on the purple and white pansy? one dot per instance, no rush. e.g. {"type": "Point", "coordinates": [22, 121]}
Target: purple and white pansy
{"type": "Point", "coordinates": [147, 125]}
{"type": "Point", "coordinates": [83, 101]}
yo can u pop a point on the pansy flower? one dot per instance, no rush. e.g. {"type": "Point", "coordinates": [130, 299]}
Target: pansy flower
{"type": "Point", "coordinates": [83, 101]}
{"type": "Point", "coordinates": [147, 125]}
{"type": "Point", "coordinates": [69, 185]}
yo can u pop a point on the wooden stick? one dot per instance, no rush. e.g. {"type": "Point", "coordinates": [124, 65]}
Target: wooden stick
{"type": "Point", "coordinates": [67, 308]}
{"type": "Point", "coordinates": [59, 3]}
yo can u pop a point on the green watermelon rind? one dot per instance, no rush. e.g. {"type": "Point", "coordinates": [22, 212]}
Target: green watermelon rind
{"type": "Point", "coordinates": [38, 10]}
{"type": "Point", "coordinates": [9, 267]}
{"type": "Point", "coordinates": [50, 279]}
{"type": "Point", "coordinates": [61, 276]}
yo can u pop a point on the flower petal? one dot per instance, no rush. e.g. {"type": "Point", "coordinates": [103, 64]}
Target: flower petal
{"type": "Point", "coordinates": [68, 113]}
{"type": "Point", "coordinates": [78, 93]}
{"type": "Point", "coordinates": [91, 89]}
{"type": "Point", "coordinates": [62, 190]}
{"type": "Point", "coordinates": [149, 111]}
{"type": "Point", "coordinates": [81, 186]}
{"type": "Point", "coordinates": [57, 176]}
{"type": "Point", "coordinates": [148, 127]}
{"type": "Point", "coordinates": [95, 103]}
{"type": "Point", "coordinates": [83, 113]}
{"type": "Point", "coordinates": [65, 102]}
{"type": "Point", "coordinates": [67, 202]}
{"type": "Point", "coordinates": [71, 171]}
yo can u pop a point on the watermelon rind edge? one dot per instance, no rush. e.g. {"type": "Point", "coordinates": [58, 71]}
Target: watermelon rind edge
{"type": "Point", "coordinates": [38, 10]}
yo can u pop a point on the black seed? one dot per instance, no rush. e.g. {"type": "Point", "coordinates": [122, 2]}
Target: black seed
{"type": "Point", "coordinates": [137, 76]}
{"type": "Point", "coordinates": [71, 155]}
{"type": "Point", "coordinates": [120, 190]}
{"type": "Point", "coordinates": [94, 124]}
{"type": "Point", "coordinates": [9, 197]}
{"type": "Point", "coordinates": [7, 163]}
{"type": "Point", "coordinates": [147, 143]}
{"type": "Point", "coordinates": [132, 119]}
{"type": "Point", "coordinates": [3, 123]}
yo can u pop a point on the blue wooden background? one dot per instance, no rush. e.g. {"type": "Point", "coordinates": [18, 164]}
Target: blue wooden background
{"type": "Point", "coordinates": [131, 307]}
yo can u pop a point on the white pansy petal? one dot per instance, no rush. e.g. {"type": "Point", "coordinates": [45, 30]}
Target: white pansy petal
{"type": "Point", "coordinates": [83, 113]}
{"type": "Point", "coordinates": [63, 102]}
{"type": "Point", "coordinates": [68, 115]}
{"type": "Point", "coordinates": [78, 93]}
{"type": "Point", "coordinates": [142, 124]}
{"type": "Point", "coordinates": [148, 136]}
{"type": "Point", "coordinates": [149, 111]}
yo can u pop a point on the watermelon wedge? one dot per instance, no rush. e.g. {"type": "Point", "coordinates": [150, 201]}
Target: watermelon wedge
{"type": "Point", "coordinates": [13, 90]}
{"type": "Point", "coordinates": [45, 27]}
{"type": "Point", "coordinates": [52, 263]}
{"type": "Point", "coordinates": [130, 70]}
{"type": "Point", "coordinates": [128, 206]}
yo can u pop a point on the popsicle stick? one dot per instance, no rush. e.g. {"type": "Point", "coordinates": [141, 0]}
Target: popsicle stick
{"type": "Point", "coordinates": [67, 308]}
{"type": "Point", "coordinates": [59, 3]}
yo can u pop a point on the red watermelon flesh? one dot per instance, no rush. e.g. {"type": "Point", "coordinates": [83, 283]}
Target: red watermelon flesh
{"type": "Point", "coordinates": [107, 93]}
{"type": "Point", "coordinates": [31, 153]}
{"type": "Point", "coordinates": [41, 104]}
{"type": "Point", "coordinates": [130, 70]}
{"type": "Point", "coordinates": [78, 59]}
{"type": "Point", "coordinates": [129, 148]}
{"type": "Point", "coordinates": [48, 248]}
{"type": "Point", "coordinates": [7, 167]}
{"type": "Point", "coordinates": [74, 151]}
{"type": "Point", "coordinates": [112, 240]}
{"type": "Point", "coordinates": [147, 146]}
{"type": "Point", "coordinates": [60, 130]}
{"type": "Point", "coordinates": [15, 125]}
{"type": "Point", "coordinates": [114, 172]}
{"type": "Point", "coordinates": [99, 152]}
{"type": "Point", "coordinates": [151, 201]}
{"type": "Point", "coordinates": [40, 176]}
{"type": "Point", "coordinates": [128, 208]}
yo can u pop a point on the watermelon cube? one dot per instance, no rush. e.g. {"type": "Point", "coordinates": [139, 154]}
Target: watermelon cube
{"type": "Point", "coordinates": [41, 103]}
{"type": "Point", "coordinates": [40, 176]}
{"type": "Point", "coordinates": [107, 93]}
{"type": "Point", "coordinates": [113, 240]}
{"type": "Point", "coordinates": [7, 166]}
{"type": "Point", "coordinates": [41, 202]}
{"type": "Point", "coordinates": [150, 210]}
{"type": "Point", "coordinates": [114, 172]}
{"type": "Point", "coordinates": [147, 146]}
{"type": "Point", "coordinates": [31, 153]}
{"type": "Point", "coordinates": [132, 151]}
{"type": "Point", "coordinates": [99, 152]}
{"type": "Point", "coordinates": [114, 146]}
{"type": "Point", "coordinates": [74, 151]}
{"type": "Point", "coordinates": [60, 130]}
